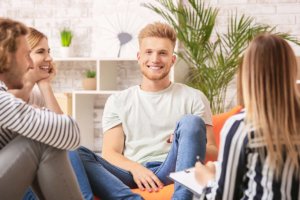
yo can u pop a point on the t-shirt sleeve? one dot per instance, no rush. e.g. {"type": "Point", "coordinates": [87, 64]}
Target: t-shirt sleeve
{"type": "Point", "coordinates": [201, 107]}
{"type": "Point", "coordinates": [111, 117]}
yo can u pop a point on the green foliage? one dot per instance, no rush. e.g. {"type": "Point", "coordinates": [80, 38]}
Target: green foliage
{"type": "Point", "coordinates": [66, 36]}
{"type": "Point", "coordinates": [90, 73]}
{"type": "Point", "coordinates": [213, 57]}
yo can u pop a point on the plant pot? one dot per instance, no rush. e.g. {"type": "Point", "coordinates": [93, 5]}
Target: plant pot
{"type": "Point", "coordinates": [89, 83]}
{"type": "Point", "coordinates": [65, 52]}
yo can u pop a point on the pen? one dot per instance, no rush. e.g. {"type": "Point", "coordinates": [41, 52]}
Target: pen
{"type": "Point", "coordinates": [198, 159]}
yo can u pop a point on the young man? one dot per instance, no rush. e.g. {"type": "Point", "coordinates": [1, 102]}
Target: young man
{"type": "Point", "coordinates": [138, 122]}
{"type": "Point", "coordinates": [33, 141]}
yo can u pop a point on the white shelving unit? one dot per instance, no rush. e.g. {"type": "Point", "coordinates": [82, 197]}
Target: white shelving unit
{"type": "Point", "coordinates": [87, 106]}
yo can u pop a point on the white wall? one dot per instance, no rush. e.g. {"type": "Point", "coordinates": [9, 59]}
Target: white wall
{"type": "Point", "coordinates": [96, 23]}
{"type": "Point", "coordinates": [284, 14]}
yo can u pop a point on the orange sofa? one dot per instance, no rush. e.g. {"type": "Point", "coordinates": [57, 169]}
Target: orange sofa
{"type": "Point", "coordinates": [167, 191]}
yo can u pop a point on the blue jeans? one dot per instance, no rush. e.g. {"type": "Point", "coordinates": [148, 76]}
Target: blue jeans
{"type": "Point", "coordinates": [111, 182]}
{"type": "Point", "coordinates": [81, 178]}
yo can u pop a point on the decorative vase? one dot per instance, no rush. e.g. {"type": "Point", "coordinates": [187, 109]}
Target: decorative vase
{"type": "Point", "coordinates": [65, 52]}
{"type": "Point", "coordinates": [89, 83]}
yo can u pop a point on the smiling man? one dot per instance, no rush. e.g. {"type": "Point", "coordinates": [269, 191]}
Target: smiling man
{"type": "Point", "coordinates": [142, 143]}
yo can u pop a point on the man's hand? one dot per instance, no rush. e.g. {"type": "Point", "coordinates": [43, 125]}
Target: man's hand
{"type": "Point", "coordinates": [170, 139]}
{"type": "Point", "coordinates": [145, 178]}
{"type": "Point", "coordinates": [113, 146]}
{"type": "Point", "coordinates": [211, 146]}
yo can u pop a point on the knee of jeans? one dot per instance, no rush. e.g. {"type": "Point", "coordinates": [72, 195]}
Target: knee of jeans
{"type": "Point", "coordinates": [84, 153]}
{"type": "Point", "coordinates": [82, 150]}
{"type": "Point", "coordinates": [193, 123]}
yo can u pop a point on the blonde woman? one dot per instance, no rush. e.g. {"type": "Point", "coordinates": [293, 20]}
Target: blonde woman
{"type": "Point", "coordinates": [37, 91]}
{"type": "Point", "coordinates": [37, 81]}
{"type": "Point", "coordinates": [259, 157]}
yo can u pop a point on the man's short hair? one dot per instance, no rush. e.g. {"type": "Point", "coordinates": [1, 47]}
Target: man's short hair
{"type": "Point", "coordinates": [160, 30]}
{"type": "Point", "coordinates": [10, 30]}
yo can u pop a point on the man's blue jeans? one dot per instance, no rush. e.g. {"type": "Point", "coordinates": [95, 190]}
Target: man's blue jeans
{"type": "Point", "coordinates": [111, 182]}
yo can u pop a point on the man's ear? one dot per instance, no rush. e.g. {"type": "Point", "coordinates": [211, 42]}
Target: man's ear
{"type": "Point", "coordinates": [5, 66]}
{"type": "Point", "coordinates": [138, 55]}
{"type": "Point", "coordinates": [173, 59]}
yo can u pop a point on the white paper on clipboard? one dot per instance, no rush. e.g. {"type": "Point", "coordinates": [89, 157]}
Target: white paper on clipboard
{"type": "Point", "coordinates": [187, 178]}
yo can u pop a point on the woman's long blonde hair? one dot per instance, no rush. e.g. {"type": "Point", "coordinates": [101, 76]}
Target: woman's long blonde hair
{"type": "Point", "coordinates": [34, 37]}
{"type": "Point", "coordinates": [268, 83]}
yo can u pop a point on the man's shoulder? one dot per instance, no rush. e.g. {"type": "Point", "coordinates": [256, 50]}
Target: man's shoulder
{"type": "Point", "coordinates": [124, 94]}
{"type": "Point", "coordinates": [187, 89]}
{"type": "Point", "coordinates": [4, 93]}
{"type": "Point", "coordinates": [9, 100]}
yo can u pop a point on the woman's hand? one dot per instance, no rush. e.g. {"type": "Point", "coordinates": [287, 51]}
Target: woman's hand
{"type": "Point", "coordinates": [205, 173]}
{"type": "Point", "coordinates": [51, 74]}
{"type": "Point", "coordinates": [36, 74]}
{"type": "Point", "coordinates": [52, 71]}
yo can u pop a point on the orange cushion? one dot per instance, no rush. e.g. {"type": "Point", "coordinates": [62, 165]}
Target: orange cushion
{"type": "Point", "coordinates": [164, 194]}
{"type": "Point", "coordinates": [220, 119]}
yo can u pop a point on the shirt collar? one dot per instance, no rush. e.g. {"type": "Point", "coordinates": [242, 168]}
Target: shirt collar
{"type": "Point", "coordinates": [3, 86]}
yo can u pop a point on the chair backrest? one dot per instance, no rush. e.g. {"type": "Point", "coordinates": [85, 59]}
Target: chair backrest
{"type": "Point", "coordinates": [220, 119]}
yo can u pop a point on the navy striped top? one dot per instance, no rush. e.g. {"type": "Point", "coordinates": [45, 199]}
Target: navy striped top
{"type": "Point", "coordinates": [19, 118]}
{"type": "Point", "coordinates": [243, 174]}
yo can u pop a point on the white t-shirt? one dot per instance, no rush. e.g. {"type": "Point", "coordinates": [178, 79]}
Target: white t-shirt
{"type": "Point", "coordinates": [148, 118]}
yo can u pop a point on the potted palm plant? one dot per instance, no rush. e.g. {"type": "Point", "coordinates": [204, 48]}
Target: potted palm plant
{"type": "Point", "coordinates": [89, 82]}
{"type": "Point", "coordinates": [66, 36]}
{"type": "Point", "coordinates": [213, 57]}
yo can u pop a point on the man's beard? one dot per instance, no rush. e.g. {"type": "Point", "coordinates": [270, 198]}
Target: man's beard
{"type": "Point", "coordinates": [155, 77]}
{"type": "Point", "coordinates": [13, 76]}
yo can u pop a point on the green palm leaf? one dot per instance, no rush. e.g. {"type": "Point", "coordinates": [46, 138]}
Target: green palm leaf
{"type": "Point", "coordinates": [213, 57]}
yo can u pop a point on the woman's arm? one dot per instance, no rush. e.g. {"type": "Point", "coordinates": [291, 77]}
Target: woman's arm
{"type": "Point", "coordinates": [47, 92]}
{"type": "Point", "coordinates": [50, 100]}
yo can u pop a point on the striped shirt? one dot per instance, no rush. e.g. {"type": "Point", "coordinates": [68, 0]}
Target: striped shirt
{"type": "Point", "coordinates": [42, 125]}
{"type": "Point", "coordinates": [243, 174]}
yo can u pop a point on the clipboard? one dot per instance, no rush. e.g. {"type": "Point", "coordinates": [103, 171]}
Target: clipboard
{"type": "Point", "coordinates": [187, 179]}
